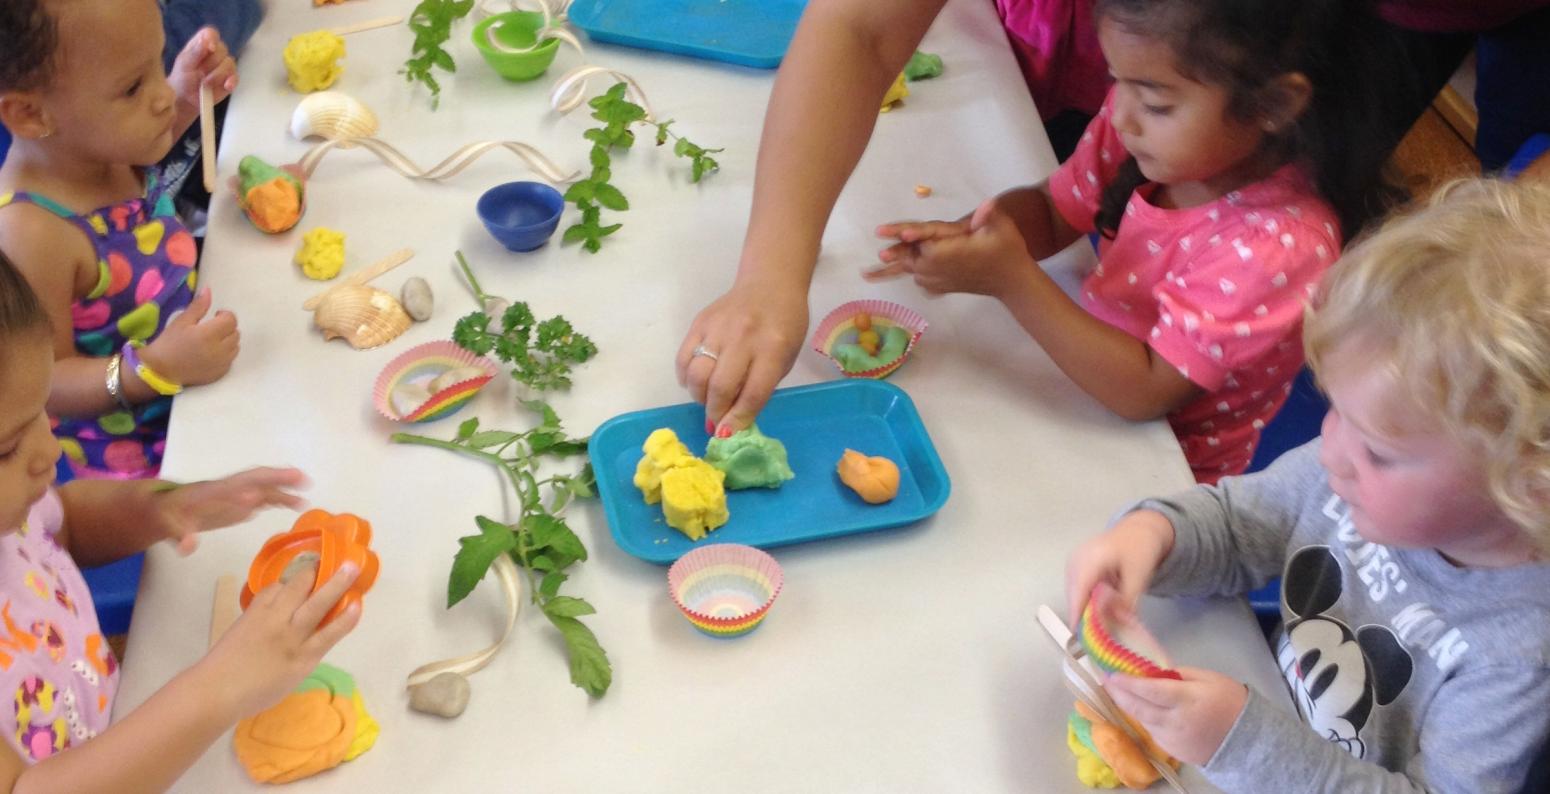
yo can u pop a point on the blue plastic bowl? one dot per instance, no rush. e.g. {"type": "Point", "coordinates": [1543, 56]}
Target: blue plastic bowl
{"type": "Point", "coordinates": [521, 215]}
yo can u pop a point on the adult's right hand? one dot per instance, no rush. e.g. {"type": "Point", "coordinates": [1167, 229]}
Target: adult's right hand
{"type": "Point", "coordinates": [747, 341]}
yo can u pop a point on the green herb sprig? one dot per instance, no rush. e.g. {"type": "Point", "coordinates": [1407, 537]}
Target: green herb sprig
{"type": "Point", "coordinates": [431, 22]}
{"type": "Point", "coordinates": [540, 353]}
{"type": "Point", "coordinates": [597, 192]}
{"type": "Point", "coordinates": [539, 541]}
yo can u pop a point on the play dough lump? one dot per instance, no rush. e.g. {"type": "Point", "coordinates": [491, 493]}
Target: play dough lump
{"type": "Point", "coordinates": [750, 459]}
{"type": "Point", "coordinates": [856, 358]}
{"type": "Point", "coordinates": [875, 479]}
{"type": "Point", "coordinates": [312, 60]}
{"type": "Point", "coordinates": [663, 451]}
{"type": "Point", "coordinates": [694, 501]}
{"type": "Point", "coordinates": [271, 197]}
{"type": "Point", "coordinates": [322, 253]}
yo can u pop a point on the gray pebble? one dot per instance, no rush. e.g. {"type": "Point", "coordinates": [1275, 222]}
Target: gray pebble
{"type": "Point", "coordinates": [445, 695]}
{"type": "Point", "coordinates": [417, 298]}
{"type": "Point", "coordinates": [303, 564]}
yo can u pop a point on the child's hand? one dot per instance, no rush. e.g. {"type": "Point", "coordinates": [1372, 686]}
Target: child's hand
{"type": "Point", "coordinates": [1188, 718]}
{"type": "Point", "coordinates": [277, 641]}
{"type": "Point", "coordinates": [1125, 557]}
{"type": "Point", "coordinates": [190, 509]}
{"type": "Point", "coordinates": [982, 255]}
{"type": "Point", "coordinates": [194, 350]}
{"type": "Point", "coordinates": [203, 60]}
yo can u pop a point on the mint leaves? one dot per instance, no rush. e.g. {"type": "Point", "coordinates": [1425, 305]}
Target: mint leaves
{"type": "Point", "coordinates": [431, 22]}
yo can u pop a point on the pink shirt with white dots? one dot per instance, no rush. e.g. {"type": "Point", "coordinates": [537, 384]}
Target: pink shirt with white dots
{"type": "Point", "coordinates": [1217, 290]}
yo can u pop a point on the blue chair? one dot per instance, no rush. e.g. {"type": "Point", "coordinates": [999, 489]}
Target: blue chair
{"type": "Point", "coordinates": [1299, 422]}
{"type": "Point", "coordinates": [113, 586]}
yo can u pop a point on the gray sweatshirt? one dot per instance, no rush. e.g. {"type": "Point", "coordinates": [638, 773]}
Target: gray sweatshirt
{"type": "Point", "coordinates": [1412, 674]}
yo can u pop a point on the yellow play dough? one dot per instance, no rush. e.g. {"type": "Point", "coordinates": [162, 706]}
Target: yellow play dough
{"type": "Point", "coordinates": [312, 60]}
{"type": "Point", "coordinates": [663, 451]}
{"type": "Point", "coordinates": [322, 253]}
{"type": "Point", "coordinates": [1091, 771]}
{"type": "Point", "coordinates": [693, 498]}
{"type": "Point", "coordinates": [896, 94]}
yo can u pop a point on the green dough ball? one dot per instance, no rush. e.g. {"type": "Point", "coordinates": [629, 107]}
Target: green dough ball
{"type": "Point", "coordinates": [329, 677]}
{"type": "Point", "coordinates": [1083, 730]}
{"type": "Point", "coordinates": [251, 172]}
{"type": "Point", "coordinates": [853, 359]}
{"type": "Point", "coordinates": [750, 459]}
{"type": "Point", "coordinates": [923, 66]}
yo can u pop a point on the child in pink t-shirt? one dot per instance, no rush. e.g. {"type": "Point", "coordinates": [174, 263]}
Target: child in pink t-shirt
{"type": "Point", "coordinates": [1210, 172]}
{"type": "Point", "coordinates": [56, 670]}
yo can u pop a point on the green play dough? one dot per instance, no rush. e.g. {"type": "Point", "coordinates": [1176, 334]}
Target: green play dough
{"type": "Point", "coordinates": [252, 171]}
{"type": "Point", "coordinates": [923, 65]}
{"type": "Point", "coordinates": [750, 459]}
{"type": "Point", "coordinates": [853, 359]}
{"type": "Point", "coordinates": [1084, 731]}
{"type": "Point", "coordinates": [329, 677]}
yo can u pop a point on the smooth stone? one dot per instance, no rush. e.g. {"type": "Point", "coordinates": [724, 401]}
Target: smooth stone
{"type": "Point", "coordinates": [303, 564]}
{"type": "Point", "coordinates": [445, 695]}
{"type": "Point", "coordinates": [417, 298]}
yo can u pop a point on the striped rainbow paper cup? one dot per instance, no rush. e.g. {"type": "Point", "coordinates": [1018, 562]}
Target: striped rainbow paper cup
{"type": "Point", "coordinates": [1117, 644]}
{"type": "Point", "coordinates": [839, 327]}
{"type": "Point", "coordinates": [421, 364]}
{"type": "Point", "coordinates": [725, 589]}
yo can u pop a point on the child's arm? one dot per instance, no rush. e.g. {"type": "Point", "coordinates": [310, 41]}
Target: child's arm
{"type": "Point", "coordinates": [1044, 230]}
{"type": "Point", "coordinates": [1221, 539]}
{"type": "Point", "coordinates": [993, 259]}
{"type": "Point", "coordinates": [107, 520]}
{"type": "Point", "coordinates": [1480, 734]}
{"type": "Point", "coordinates": [271, 648]}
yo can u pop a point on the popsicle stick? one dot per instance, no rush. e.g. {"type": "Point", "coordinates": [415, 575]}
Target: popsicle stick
{"type": "Point", "coordinates": [207, 134]}
{"type": "Point", "coordinates": [370, 24]}
{"type": "Point", "coordinates": [225, 608]}
{"type": "Point", "coordinates": [364, 275]}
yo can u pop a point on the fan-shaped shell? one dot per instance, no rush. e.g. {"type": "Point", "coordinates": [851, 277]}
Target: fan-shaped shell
{"type": "Point", "coordinates": [363, 316]}
{"type": "Point", "coordinates": [332, 115]}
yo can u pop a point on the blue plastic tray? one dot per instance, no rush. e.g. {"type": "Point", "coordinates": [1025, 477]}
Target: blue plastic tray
{"type": "Point", "coordinates": [817, 423]}
{"type": "Point", "coordinates": [747, 32]}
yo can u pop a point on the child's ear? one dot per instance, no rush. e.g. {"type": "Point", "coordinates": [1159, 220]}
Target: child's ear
{"type": "Point", "coordinates": [24, 116]}
{"type": "Point", "coordinates": [1284, 100]}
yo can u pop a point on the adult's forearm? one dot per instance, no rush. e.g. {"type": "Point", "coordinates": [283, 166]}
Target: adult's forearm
{"type": "Point", "coordinates": [821, 114]}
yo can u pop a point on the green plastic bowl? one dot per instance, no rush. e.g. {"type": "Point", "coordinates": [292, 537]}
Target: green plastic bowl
{"type": "Point", "coordinates": [519, 30]}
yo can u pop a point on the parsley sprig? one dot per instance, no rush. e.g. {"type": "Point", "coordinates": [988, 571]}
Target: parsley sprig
{"type": "Point", "coordinates": [431, 22]}
{"type": "Point", "coordinates": [597, 192]}
{"type": "Point", "coordinates": [539, 541]}
{"type": "Point", "coordinates": [540, 353]}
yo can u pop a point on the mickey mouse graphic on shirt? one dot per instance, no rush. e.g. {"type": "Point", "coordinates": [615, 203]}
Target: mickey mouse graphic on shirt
{"type": "Point", "coordinates": [1337, 675]}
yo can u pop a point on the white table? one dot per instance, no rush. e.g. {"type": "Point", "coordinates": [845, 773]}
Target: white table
{"type": "Point", "coordinates": [903, 660]}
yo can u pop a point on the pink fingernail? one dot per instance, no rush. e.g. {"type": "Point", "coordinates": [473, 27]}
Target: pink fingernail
{"type": "Point", "coordinates": [710, 427]}
{"type": "Point", "coordinates": [725, 431]}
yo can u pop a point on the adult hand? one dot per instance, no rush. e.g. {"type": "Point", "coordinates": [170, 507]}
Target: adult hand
{"type": "Point", "coordinates": [1188, 718]}
{"type": "Point", "coordinates": [190, 509]}
{"type": "Point", "coordinates": [193, 350]}
{"type": "Point", "coordinates": [982, 254]}
{"type": "Point", "coordinates": [1125, 557]}
{"type": "Point", "coordinates": [736, 351]}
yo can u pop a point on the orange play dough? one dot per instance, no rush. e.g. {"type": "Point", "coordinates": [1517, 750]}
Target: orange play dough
{"type": "Point", "coordinates": [304, 734]}
{"type": "Point", "coordinates": [875, 479]}
{"type": "Point", "coordinates": [1121, 754]}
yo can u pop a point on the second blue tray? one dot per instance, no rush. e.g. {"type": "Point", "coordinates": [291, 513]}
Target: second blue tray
{"type": "Point", "coordinates": [817, 423]}
{"type": "Point", "coordinates": [747, 32]}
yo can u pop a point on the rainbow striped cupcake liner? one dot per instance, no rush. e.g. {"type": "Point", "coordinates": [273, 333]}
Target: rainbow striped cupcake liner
{"type": "Point", "coordinates": [421, 364]}
{"type": "Point", "coordinates": [1118, 645]}
{"type": "Point", "coordinates": [839, 327]}
{"type": "Point", "coordinates": [725, 589]}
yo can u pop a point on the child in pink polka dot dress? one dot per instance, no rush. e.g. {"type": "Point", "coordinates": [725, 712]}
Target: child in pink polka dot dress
{"type": "Point", "coordinates": [1213, 173]}
{"type": "Point", "coordinates": [84, 95]}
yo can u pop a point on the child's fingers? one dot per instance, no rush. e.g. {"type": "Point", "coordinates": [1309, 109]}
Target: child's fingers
{"type": "Point", "coordinates": [196, 309]}
{"type": "Point", "coordinates": [290, 595]}
{"type": "Point", "coordinates": [310, 613]}
{"type": "Point", "coordinates": [188, 544]}
{"type": "Point", "coordinates": [328, 636]}
{"type": "Point", "coordinates": [888, 271]}
{"type": "Point", "coordinates": [914, 232]}
{"type": "Point", "coordinates": [1157, 695]}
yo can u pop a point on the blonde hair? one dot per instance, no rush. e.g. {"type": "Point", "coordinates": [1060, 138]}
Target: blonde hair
{"type": "Point", "coordinates": [1453, 296]}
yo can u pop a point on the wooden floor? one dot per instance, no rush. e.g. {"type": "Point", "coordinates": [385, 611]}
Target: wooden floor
{"type": "Point", "coordinates": [1433, 153]}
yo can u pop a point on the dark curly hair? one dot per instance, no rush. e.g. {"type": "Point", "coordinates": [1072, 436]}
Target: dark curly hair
{"type": "Point", "coordinates": [29, 37]}
{"type": "Point", "coordinates": [20, 310]}
{"type": "Point", "coordinates": [1243, 46]}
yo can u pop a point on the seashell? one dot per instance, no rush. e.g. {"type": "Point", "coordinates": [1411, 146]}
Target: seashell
{"type": "Point", "coordinates": [332, 115]}
{"type": "Point", "coordinates": [417, 299]}
{"type": "Point", "coordinates": [452, 377]}
{"type": "Point", "coordinates": [363, 316]}
{"type": "Point", "coordinates": [407, 397]}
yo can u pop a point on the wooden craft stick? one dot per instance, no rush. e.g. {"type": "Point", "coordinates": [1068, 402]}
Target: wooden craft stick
{"type": "Point", "coordinates": [225, 609]}
{"type": "Point", "coordinates": [364, 275]}
{"type": "Point", "coordinates": [370, 24]}
{"type": "Point", "coordinates": [207, 134]}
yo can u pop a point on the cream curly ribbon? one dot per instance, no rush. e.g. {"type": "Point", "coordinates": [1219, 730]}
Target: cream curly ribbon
{"type": "Point", "coordinates": [570, 91]}
{"type": "Point", "coordinates": [1080, 682]}
{"type": "Point", "coordinates": [553, 27]}
{"type": "Point", "coordinates": [506, 573]}
{"type": "Point", "coordinates": [449, 167]}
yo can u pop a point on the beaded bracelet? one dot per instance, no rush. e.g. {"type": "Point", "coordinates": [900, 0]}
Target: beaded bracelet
{"type": "Point", "coordinates": [115, 381]}
{"type": "Point", "coordinates": [158, 383]}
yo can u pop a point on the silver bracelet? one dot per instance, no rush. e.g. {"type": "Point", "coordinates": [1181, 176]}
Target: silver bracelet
{"type": "Point", "coordinates": [115, 381]}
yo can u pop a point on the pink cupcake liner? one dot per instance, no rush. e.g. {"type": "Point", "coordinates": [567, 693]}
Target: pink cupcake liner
{"type": "Point", "coordinates": [725, 589]}
{"type": "Point", "coordinates": [838, 327]}
{"type": "Point", "coordinates": [421, 364]}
